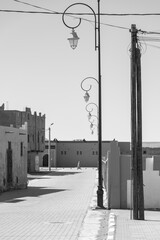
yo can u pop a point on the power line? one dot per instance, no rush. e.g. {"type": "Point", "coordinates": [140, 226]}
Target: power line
{"type": "Point", "coordinates": [22, 11]}
{"type": "Point", "coordinates": [149, 39]}
{"type": "Point", "coordinates": [151, 45]}
{"type": "Point", "coordinates": [115, 26]}
{"type": "Point", "coordinates": [81, 14]}
{"type": "Point", "coordinates": [102, 14]}
{"type": "Point", "coordinates": [35, 6]}
{"type": "Point", "coordinates": [59, 13]}
{"type": "Point", "coordinates": [49, 11]}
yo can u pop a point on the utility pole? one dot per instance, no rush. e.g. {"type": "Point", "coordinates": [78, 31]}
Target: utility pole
{"type": "Point", "coordinates": [133, 120]}
{"type": "Point", "coordinates": [49, 150]}
{"type": "Point", "coordinates": [139, 139]}
{"type": "Point", "coordinates": [136, 128]}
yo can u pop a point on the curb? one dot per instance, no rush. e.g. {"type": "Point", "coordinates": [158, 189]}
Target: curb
{"type": "Point", "coordinates": [111, 226]}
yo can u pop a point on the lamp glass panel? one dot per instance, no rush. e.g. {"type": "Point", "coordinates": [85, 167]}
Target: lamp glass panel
{"type": "Point", "coordinates": [73, 42]}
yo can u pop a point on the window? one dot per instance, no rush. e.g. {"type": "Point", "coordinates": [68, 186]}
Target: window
{"type": "Point", "coordinates": [9, 145]}
{"type": "Point", "coordinates": [95, 153]}
{"type": "Point", "coordinates": [21, 150]}
{"type": "Point", "coordinates": [63, 152]}
{"type": "Point", "coordinates": [79, 152]}
{"type": "Point", "coordinates": [38, 137]}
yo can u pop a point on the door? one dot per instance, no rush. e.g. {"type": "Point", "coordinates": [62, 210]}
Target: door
{"type": "Point", "coordinates": [9, 164]}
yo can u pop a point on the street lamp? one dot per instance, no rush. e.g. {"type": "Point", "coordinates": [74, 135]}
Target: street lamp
{"type": "Point", "coordinates": [92, 127]}
{"type": "Point", "coordinates": [97, 46]}
{"type": "Point", "coordinates": [90, 109]}
{"type": "Point", "coordinates": [92, 124]}
{"type": "Point", "coordinates": [49, 147]}
{"type": "Point", "coordinates": [74, 40]}
{"type": "Point", "coordinates": [87, 96]}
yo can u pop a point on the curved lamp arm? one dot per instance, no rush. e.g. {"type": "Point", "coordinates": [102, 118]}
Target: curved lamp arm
{"type": "Point", "coordinates": [87, 96]}
{"type": "Point", "coordinates": [77, 25]}
{"type": "Point", "coordinates": [90, 117]}
{"type": "Point", "coordinates": [89, 107]}
{"type": "Point", "coordinates": [89, 88]}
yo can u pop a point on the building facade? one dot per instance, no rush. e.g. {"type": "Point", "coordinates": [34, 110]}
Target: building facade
{"type": "Point", "coordinates": [44, 156]}
{"type": "Point", "coordinates": [13, 158]}
{"type": "Point", "coordinates": [69, 153]}
{"type": "Point", "coordinates": [35, 130]}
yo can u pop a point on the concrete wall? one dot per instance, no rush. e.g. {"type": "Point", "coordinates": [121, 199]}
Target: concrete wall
{"type": "Point", "coordinates": [151, 181]}
{"type": "Point", "coordinates": [13, 169]}
{"type": "Point", "coordinates": [69, 153]}
{"type": "Point", "coordinates": [117, 179]}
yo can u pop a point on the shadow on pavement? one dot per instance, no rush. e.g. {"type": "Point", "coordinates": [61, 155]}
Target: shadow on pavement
{"type": "Point", "coordinates": [42, 174]}
{"type": "Point", "coordinates": [152, 220]}
{"type": "Point", "coordinates": [21, 195]}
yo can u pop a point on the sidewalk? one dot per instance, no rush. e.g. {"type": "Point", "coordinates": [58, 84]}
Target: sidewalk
{"type": "Point", "coordinates": [95, 224]}
{"type": "Point", "coordinates": [127, 229]}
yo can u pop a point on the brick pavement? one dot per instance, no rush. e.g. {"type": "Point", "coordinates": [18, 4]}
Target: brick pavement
{"type": "Point", "coordinates": [128, 229]}
{"type": "Point", "coordinates": [53, 207]}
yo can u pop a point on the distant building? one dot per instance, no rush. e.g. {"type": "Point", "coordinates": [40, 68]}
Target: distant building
{"type": "Point", "coordinates": [13, 158]}
{"type": "Point", "coordinates": [69, 153]}
{"type": "Point", "coordinates": [35, 130]}
{"type": "Point", "coordinates": [43, 156]}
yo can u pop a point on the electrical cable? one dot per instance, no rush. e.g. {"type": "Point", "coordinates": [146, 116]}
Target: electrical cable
{"type": "Point", "coordinates": [49, 11]}
{"type": "Point", "coordinates": [82, 14]}
{"type": "Point", "coordinates": [151, 45]}
{"type": "Point", "coordinates": [150, 39]}
{"type": "Point", "coordinates": [35, 6]}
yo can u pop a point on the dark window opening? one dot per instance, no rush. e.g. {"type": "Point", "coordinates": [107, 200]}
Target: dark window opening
{"type": "Point", "coordinates": [21, 149]}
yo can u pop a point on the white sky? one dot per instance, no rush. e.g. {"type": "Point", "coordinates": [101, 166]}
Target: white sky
{"type": "Point", "coordinates": [38, 69]}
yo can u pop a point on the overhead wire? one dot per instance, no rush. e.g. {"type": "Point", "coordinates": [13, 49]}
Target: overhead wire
{"type": "Point", "coordinates": [49, 11]}
{"type": "Point", "coordinates": [82, 14]}
{"type": "Point", "coordinates": [150, 39]}
{"type": "Point", "coordinates": [147, 36]}
{"type": "Point", "coordinates": [35, 6]}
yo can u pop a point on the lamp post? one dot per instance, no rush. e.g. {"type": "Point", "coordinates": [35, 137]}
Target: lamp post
{"type": "Point", "coordinates": [97, 47]}
{"type": "Point", "coordinates": [49, 148]}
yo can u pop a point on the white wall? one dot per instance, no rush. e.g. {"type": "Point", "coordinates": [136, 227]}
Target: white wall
{"type": "Point", "coordinates": [19, 163]}
{"type": "Point", "coordinates": [151, 181]}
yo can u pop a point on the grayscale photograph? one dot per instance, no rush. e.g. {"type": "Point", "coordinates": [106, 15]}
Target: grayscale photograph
{"type": "Point", "coordinates": [79, 120]}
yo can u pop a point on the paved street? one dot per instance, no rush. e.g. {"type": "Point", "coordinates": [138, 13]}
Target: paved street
{"type": "Point", "coordinates": [53, 206]}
